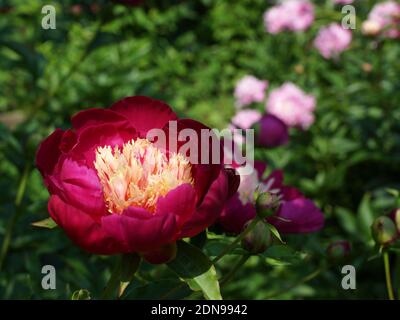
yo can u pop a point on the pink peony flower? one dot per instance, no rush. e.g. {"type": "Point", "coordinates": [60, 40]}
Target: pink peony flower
{"type": "Point", "coordinates": [249, 89]}
{"type": "Point", "coordinates": [332, 40]}
{"type": "Point", "coordinates": [385, 18]}
{"type": "Point", "coordinates": [290, 104]}
{"type": "Point", "coordinates": [296, 214]}
{"type": "Point", "coordinates": [245, 119]}
{"type": "Point", "coordinates": [292, 15]}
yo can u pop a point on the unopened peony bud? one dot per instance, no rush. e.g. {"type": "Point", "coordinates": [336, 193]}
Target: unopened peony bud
{"type": "Point", "coordinates": [271, 132]}
{"type": "Point", "coordinates": [164, 254]}
{"type": "Point", "coordinates": [370, 28]}
{"type": "Point", "coordinates": [266, 204]}
{"type": "Point", "coordinates": [258, 239]}
{"type": "Point", "coordinates": [384, 230]}
{"type": "Point", "coordinates": [338, 250]}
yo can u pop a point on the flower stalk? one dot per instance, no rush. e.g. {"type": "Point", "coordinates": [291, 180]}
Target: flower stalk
{"type": "Point", "coordinates": [387, 275]}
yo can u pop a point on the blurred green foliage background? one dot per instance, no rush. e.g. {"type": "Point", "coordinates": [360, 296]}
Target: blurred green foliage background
{"type": "Point", "coordinates": [190, 54]}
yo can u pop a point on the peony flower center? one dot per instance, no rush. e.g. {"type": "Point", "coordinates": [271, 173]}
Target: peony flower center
{"type": "Point", "coordinates": [139, 174]}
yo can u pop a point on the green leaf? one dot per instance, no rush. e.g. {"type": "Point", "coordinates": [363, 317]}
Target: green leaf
{"type": "Point", "coordinates": [47, 223]}
{"type": "Point", "coordinates": [347, 220]}
{"type": "Point", "coordinates": [365, 217]}
{"type": "Point", "coordinates": [275, 232]}
{"type": "Point", "coordinates": [215, 247]}
{"type": "Point", "coordinates": [81, 294]}
{"type": "Point", "coordinates": [282, 255]}
{"type": "Point", "coordinates": [159, 289]}
{"type": "Point", "coordinates": [194, 267]}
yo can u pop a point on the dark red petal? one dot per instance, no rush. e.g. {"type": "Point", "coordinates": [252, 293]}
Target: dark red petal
{"type": "Point", "coordinates": [140, 230]}
{"type": "Point", "coordinates": [144, 113]}
{"type": "Point", "coordinates": [236, 214]}
{"type": "Point", "coordinates": [95, 117]}
{"type": "Point", "coordinates": [298, 216]}
{"type": "Point", "coordinates": [203, 174]}
{"type": "Point", "coordinates": [82, 229]}
{"type": "Point", "coordinates": [48, 152]}
{"type": "Point", "coordinates": [79, 186]}
{"type": "Point", "coordinates": [233, 181]}
{"type": "Point", "coordinates": [68, 141]}
{"type": "Point", "coordinates": [99, 136]}
{"type": "Point", "coordinates": [180, 201]}
{"type": "Point", "coordinates": [210, 209]}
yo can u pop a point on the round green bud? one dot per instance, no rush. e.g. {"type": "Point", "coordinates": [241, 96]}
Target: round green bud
{"type": "Point", "coordinates": [384, 230]}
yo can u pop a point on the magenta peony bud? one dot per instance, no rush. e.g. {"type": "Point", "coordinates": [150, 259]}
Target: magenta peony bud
{"type": "Point", "coordinates": [384, 230]}
{"type": "Point", "coordinates": [271, 132]}
{"type": "Point", "coordinates": [258, 239]}
{"type": "Point", "coordinates": [338, 250]}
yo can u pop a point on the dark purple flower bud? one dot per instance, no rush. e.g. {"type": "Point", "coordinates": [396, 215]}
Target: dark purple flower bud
{"type": "Point", "coordinates": [271, 132]}
{"type": "Point", "coordinates": [338, 250]}
{"type": "Point", "coordinates": [384, 230]}
{"type": "Point", "coordinates": [258, 239]}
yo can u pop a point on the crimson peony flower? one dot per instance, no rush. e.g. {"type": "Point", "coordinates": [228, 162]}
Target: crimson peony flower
{"type": "Point", "coordinates": [296, 214]}
{"type": "Point", "coordinates": [113, 191]}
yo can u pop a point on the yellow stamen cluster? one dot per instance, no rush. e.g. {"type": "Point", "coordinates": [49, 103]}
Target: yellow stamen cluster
{"type": "Point", "coordinates": [139, 174]}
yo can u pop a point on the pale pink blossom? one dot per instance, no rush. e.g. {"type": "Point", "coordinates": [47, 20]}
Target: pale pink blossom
{"type": "Point", "coordinates": [332, 40]}
{"type": "Point", "coordinates": [245, 119]}
{"type": "Point", "coordinates": [292, 15]}
{"type": "Point", "coordinates": [384, 17]}
{"type": "Point", "coordinates": [249, 89]}
{"type": "Point", "coordinates": [290, 104]}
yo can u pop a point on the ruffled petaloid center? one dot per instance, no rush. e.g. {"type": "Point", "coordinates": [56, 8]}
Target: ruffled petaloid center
{"type": "Point", "coordinates": [138, 174]}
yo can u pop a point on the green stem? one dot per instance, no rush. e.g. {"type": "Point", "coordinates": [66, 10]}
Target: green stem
{"type": "Point", "coordinates": [387, 275]}
{"type": "Point", "coordinates": [14, 218]}
{"type": "Point", "coordinates": [300, 282]}
{"type": "Point", "coordinates": [236, 241]}
{"type": "Point", "coordinates": [110, 291]}
{"type": "Point", "coordinates": [237, 266]}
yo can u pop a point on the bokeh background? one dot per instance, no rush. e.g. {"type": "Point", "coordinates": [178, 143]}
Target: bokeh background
{"type": "Point", "coordinates": [191, 54]}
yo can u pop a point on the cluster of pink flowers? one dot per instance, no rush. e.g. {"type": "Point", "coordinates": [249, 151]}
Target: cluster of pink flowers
{"type": "Point", "coordinates": [384, 19]}
{"type": "Point", "coordinates": [292, 15]}
{"type": "Point", "coordinates": [332, 40]}
{"type": "Point", "coordinates": [249, 89]}
{"type": "Point", "coordinates": [290, 104]}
